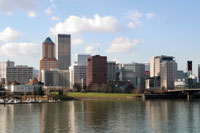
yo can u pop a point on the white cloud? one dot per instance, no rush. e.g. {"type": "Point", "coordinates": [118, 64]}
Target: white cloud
{"type": "Point", "coordinates": [7, 6]}
{"type": "Point", "coordinates": [77, 41]}
{"type": "Point", "coordinates": [98, 44]}
{"type": "Point", "coordinates": [31, 14]}
{"type": "Point", "coordinates": [131, 54]}
{"type": "Point", "coordinates": [54, 18]}
{"type": "Point", "coordinates": [121, 45]}
{"type": "Point", "coordinates": [116, 60]}
{"type": "Point", "coordinates": [150, 15]}
{"type": "Point", "coordinates": [19, 49]}
{"type": "Point", "coordinates": [10, 13]}
{"type": "Point", "coordinates": [135, 17]}
{"type": "Point", "coordinates": [9, 34]}
{"type": "Point", "coordinates": [91, 50]}
{"type": "Point", "coordinates": [48, 11]}
{"type": "Point", "coordinates": [76, 24]}
{"type": "Point", "coordinates": [131, 25]}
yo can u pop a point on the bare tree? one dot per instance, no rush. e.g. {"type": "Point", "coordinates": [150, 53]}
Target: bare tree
{"type": "Point", "coordinates": [104, 88]}
{"type": "Point", "coordinates": [95, 87]}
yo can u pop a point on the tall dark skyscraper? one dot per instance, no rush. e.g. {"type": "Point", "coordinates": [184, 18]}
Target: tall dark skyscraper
{"type": "Point", "coordinates": [189, 67]}
{"type": "Point", "coordinates": [63, 51]}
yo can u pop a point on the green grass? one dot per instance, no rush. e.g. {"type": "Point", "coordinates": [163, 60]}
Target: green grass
{"type": "Point", "coordinates": [79, 95]}
{"type": "Point", "coordinates": [54, 93]}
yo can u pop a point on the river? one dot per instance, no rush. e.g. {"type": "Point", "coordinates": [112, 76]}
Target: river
{"type": "Point", "coordinates": [102, 116]}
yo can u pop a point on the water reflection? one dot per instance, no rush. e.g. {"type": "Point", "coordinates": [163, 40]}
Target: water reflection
{"type": "Point", "coordinates": [17, 118]}
{"type": "Point", "coordinates": [102, 116]}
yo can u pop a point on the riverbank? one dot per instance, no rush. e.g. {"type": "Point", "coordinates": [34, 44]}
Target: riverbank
{"type": "Point", "coordinates": [55, 97]}
{"type": "Point", "coordinates": [92, 95]}
{"type": "Point", "coordinates": [68, 96]}
{"type": "Point", "coordinates": [127, 96]}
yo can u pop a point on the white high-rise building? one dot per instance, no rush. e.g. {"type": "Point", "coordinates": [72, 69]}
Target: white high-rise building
{"type": "Point", "coordinates": [56, 77]}
{"type": "Point", "coordinates": [10, 73]}
{"type": "Point", "coordinates": [155, 64]}
{"type": "Point", "coordinates": [20, 74]}
{"type": "Point", "coordinates": [77, 75]}
{"type": "Point", "coordinates": [152, 68]}
{"type": "Point", "coordinates": [3, 66]}
{"type": "Point", "coordinates": [78, 70]}
{"type": "Point", "coordinates": [168, 74]}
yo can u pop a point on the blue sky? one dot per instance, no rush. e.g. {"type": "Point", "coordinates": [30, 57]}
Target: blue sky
{"type": "Point", "coordinates": [124, 30]}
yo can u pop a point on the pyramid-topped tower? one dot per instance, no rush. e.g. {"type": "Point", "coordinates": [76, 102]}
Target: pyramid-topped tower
{"type": "Point", "coordinates": [48, 59]}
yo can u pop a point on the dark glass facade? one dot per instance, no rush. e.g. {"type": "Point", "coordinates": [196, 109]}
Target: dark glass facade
{"type": "Point", "coordinates": [96, 70]}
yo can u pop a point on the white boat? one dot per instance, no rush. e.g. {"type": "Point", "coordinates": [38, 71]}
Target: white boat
{"type": "Point", "coordinates": [11, 101]}
{"type": "Point", "coordinates": [51, 101]}
{"type": "Point", "coordinates": [17, 101]}
{"type": "Point", "coordinates": [24, 101]}
{"type": "Point", "coordinates": [1, 101]}
{"type": "Point", "coordinates": [42, 101]}
{"type": "Point", "coordinates": [31, 101]}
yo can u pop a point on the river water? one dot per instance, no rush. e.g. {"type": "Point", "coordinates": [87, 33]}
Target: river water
{"type": "Point", "coordinates": [102, 116]}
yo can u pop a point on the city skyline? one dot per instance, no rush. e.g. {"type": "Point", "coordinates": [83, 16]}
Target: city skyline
{"type": "Point", "coordinates": [125, 31]}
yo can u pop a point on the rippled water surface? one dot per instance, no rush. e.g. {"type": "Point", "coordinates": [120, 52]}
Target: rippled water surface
{"type": "Point", "coordinates": [94, 116]}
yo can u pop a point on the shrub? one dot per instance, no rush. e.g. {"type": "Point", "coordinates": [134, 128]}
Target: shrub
{"type": "Point", "coordinates": [39, 91]}
{"type": "Point", "coordinates": [77, 87]}
{"type": "Point", "coordinates": [129, 88]}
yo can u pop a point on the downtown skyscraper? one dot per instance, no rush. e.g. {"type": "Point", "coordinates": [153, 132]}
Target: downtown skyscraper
{"type": "Point", "coordinates": [63, 44]}
{"type": "Point", "coordinates": [48, 60]}
{"type": "Point", "coordinates": [96, 70]}
{"type": "Point", "coordinates": [164, 68]}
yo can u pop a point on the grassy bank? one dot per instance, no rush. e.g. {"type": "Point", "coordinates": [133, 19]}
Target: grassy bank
{"type": "Point", "coordinates": [78, 95]}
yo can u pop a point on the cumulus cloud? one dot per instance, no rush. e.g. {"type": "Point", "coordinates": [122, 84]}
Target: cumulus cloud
{"type": "Point", "coordinates": [77, 41]}
{"type": "Point", "coordinates": [150, 15]}
{"type": "Point", "coordinates": [116, 60]}
{"type": "Point", "coordinates": [9, 34]}
{"type": "Point", "coordinates": [54, 18]}
{"type": "Point", "coordinates": [90, 50]}
{"type": "Point", "coordinates": [131, 25]}
{"type": "Point", "coordinates": [48, 11]}
{"type": "Point", "coordinates": [135, 16]}
{"type": "Point", "coordinates": [76, 24]}
{"type": "Point", "coordinates": [8, 6]}
{"type": "Point", "coordinates": [131, 54]}
{"type": "Point", "coordinates": [121, 45]}
{"type": "Point", "coordinates": [31, 14]}
{"type": "Point", "coordinates": [9, 13]}
{"type": "Point", "coordinates": [19, 49]}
